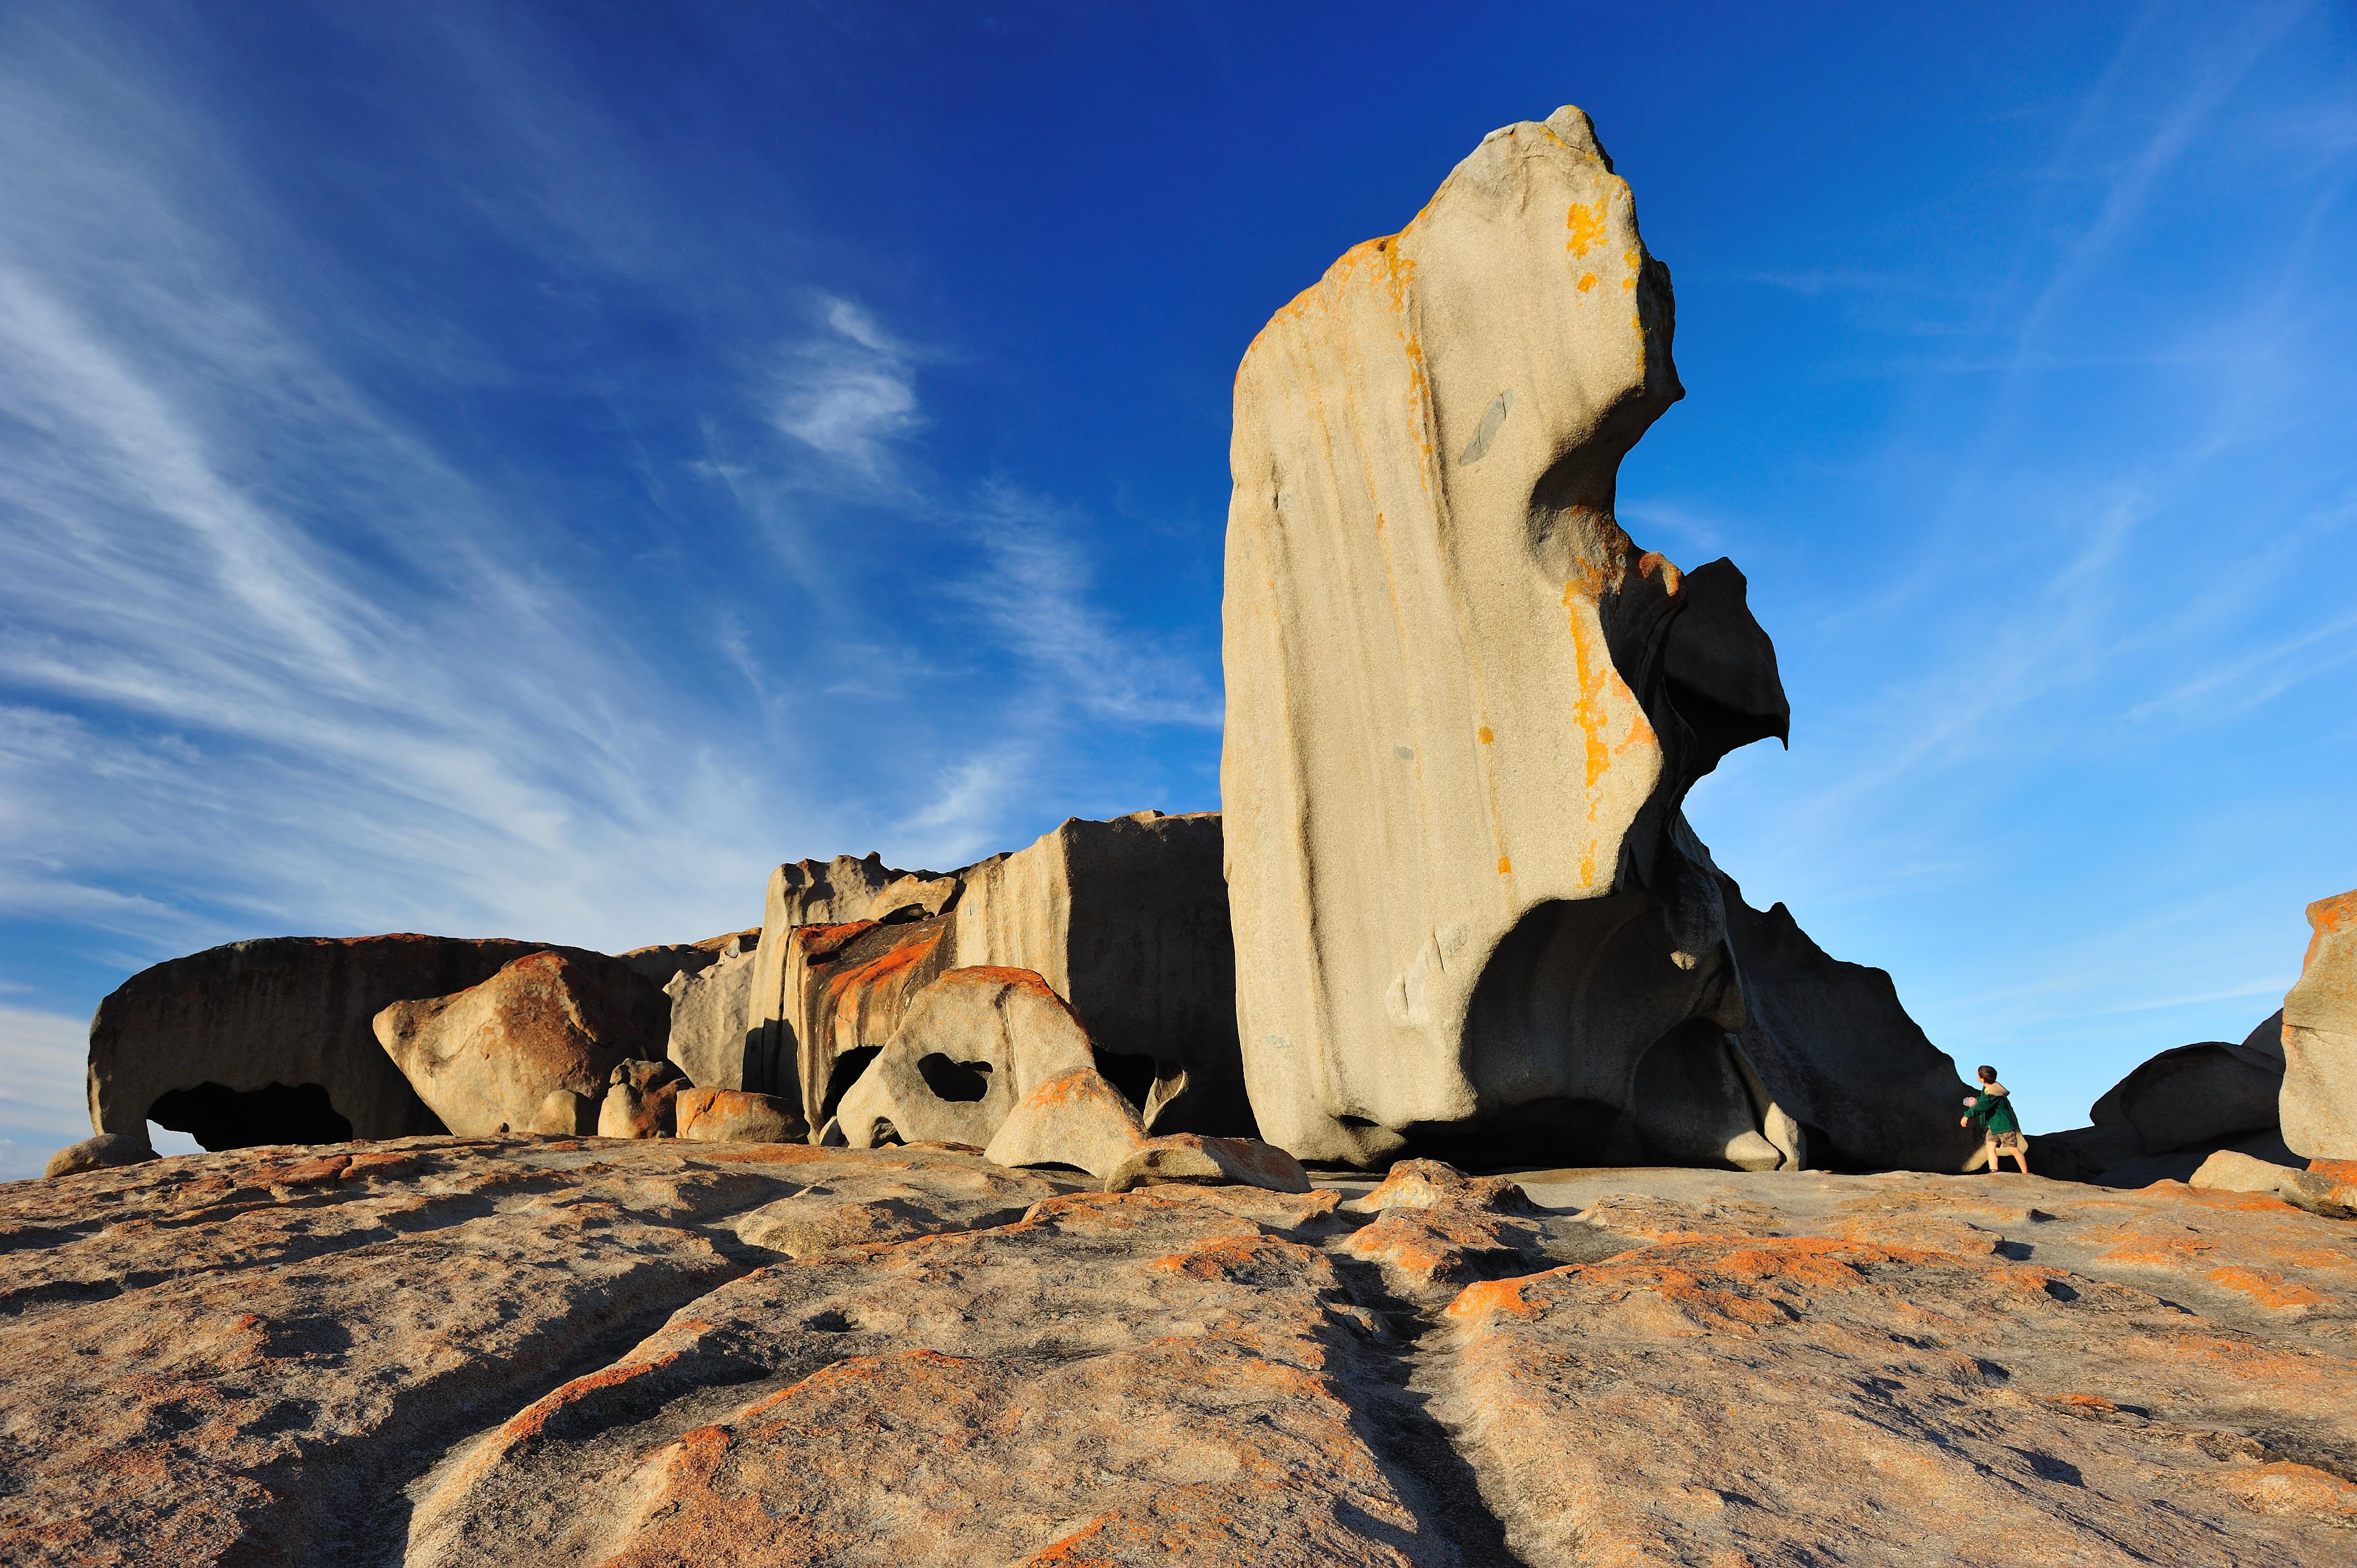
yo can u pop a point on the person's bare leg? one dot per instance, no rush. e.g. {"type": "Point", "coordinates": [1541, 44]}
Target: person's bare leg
{"type": "Point", "coordinates": [2021, 1158]}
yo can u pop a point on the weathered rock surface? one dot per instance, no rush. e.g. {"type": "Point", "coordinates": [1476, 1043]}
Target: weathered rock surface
{"type": "Point", "coordinates": [666, 962]}
{"type": "Point", "coordinates": [2320, 1037]}
{"type": "Point", "coordinates": [1076, 1119]}
{"type": "Point", "coordinates": [532, 1351]}
{"type": "Point", "coordinates": [854, 983]}
{"type": "Point", "coordinates": [486, 1060]}
{"type": "Point", "coordinates": [734, 1116]}
{"type": "Point", "coordinates": [1464, 709]}
{"type": "Point", "coordinates": [844, 891]}
{"type": "Point", "coordinates": [1905, 1370]}
{"type": "Point", "coordinates": [1193, 1157]}
{"type": "Point", "coordinates": [101, 1153]}
{"type": "Point", "coordinates": [1126, 919]}
{"type": "Point", "coordinates": [974, 1043]}
{"type": "Point", "coordinates": [2201, 1094]}
{"type": "Point", "coordinates": [270, 1041]}
{"type": "Point", "coordinates": [641, 1100]}
{"type": "Point", "coordinates": [2317, 1191]}
{"type": "Point", "coordinates": [709, 1038]}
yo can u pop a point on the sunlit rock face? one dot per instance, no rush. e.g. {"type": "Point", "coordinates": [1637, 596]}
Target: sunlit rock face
{"type": "Point", "coordinates": [1464, 709]}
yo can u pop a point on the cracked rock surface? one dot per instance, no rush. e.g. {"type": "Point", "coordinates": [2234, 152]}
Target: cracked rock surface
{"type": "Point", "coordinates": [462, 1351]}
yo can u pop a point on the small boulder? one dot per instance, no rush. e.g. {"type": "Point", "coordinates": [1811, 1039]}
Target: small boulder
{"type": "Point", "coordinates": [106, 1150]}
{"type": "Point", "coordinates": [736, 1116]}
{"type": "Point", "coordinates": [567, 1114]}
{"type": "Point", "coordinates": [1077, 1119]}
{"type": "Point", "coordinates": [2315, 1191]}
{"type": "Point", "coordinates": [1433, 1184]}
{"type": "Point", "coordinates": [1209, 1162]}
{"type": "Point", "coordinates": [641, 1100]}
{"type": "Point", "coordinates": [972, 1045]}
{"type": "Point", "coordinates": [486, 1059]}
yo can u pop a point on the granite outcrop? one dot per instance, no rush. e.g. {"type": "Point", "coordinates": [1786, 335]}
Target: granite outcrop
{"type": "Point", "coordinates": [525, 1350]}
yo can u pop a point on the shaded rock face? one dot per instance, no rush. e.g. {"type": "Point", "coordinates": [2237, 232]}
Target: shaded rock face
{"type": "Point", "coordinates": [1464, 709]}
{"type": "Point", "coordinates": [532, 1351]}
{"type": "Point", "coordinates": [486, 1060]}
{"type": "Point", "coordinates": [270, 1041]}
{"type": "Point", "coordinates": [709, 1038]}
{"type": "Point", "coordinates": [2320, 1037]}
{"type": "Point", "coordinates": [2171, 1113]}
{"type": "Point", "coordinates": [101, 1153]}
{"type": "Point", "coordinates": [1126, 919]}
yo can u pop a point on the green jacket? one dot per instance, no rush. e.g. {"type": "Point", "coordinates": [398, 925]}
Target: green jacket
{"type": "Point", "coordinates": [1995, 1112]}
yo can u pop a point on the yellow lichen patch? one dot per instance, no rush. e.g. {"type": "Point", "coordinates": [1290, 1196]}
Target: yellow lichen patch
{"type": "Point", "coordinates": [1593, 662]}
{"type": "Point", "coordinates": [1586, 226]}
{"type": "Point", "coordinates": [1587, 282]}
{"type": "Point", "coordinates": [1486, 737]}
{"type": "Point", "coordinates": [1505, 866]}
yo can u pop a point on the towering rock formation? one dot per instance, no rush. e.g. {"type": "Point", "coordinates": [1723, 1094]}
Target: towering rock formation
{"type": "Point", "coordinates": [1464, 709]}
{"type": "Point", "coordinates": [1126, 919]}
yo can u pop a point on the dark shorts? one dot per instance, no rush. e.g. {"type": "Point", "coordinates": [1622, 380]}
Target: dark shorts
{"type": "Point", "coordinates": [2013, 1140]}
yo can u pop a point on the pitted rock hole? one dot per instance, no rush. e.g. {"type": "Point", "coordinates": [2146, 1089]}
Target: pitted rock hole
{"type": "Point", "coordinates": [223, 1118]}
{"type": "Point", "coordinates": [954, 1080]}
{"type": "Point", "coordinates": [842, 1075]}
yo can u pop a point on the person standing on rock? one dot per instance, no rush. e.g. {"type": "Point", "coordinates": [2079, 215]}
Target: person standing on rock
{"type": "Point", "coordinates": [1992, 1112]}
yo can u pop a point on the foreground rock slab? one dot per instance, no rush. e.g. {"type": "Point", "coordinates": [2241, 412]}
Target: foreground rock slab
{"type": "Point", "coordinates": [445, 1351]}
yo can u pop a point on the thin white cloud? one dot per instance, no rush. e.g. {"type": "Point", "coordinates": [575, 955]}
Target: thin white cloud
{"type": "Point", "coordinates": [1035, 595]}
{"type": "Point", "coordinates": [848, 391]}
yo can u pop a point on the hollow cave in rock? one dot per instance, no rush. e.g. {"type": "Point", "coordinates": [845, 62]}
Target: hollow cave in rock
{"type": "Point", "coordinates": [222, 1118]}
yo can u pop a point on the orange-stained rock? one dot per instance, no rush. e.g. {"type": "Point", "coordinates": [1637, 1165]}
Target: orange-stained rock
{"type": "Point", "coordinates": [1209, 1162]}
{"type": "Point", "coordinates": [486, 1059]}
{"type": "Point", "coordinates": [244, 1357]}
{"type": "Point", "coordinates": [1915, 1372]}
{"type": "Point", "coordinates": [529, 1351]}
{"type": "Point", "coordinates": [734, 1116]}
{"type": "Point", "coordinates": [849, 986]}
{"type": "Point", "coordinates": [1176, 1376]}
{"type": "Point", "coordinates": [2320, 1037]}
{"type": "Point", "coordinates": [2226, 1171]}
{"type": "Point", "coordinates": [968, 1048]}
{"type": "Point", "coordinates": [1076, 1119]}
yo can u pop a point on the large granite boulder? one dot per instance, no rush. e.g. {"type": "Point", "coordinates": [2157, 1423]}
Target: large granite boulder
{"type": "Point", "coordinates": [2320, 1037]}
{"type": "Point", "coordinates": [853, 983]}
{"type": "Point", "coordinates": [845, 890]}
{"type": "Point", "coordinates": [271, 1041]}
{"type": "Point", "coordinates": [486, 1059]}
{"type": "Point", "coordinates": [1463, 711]}
{"type": "Point", "coordinates": [709, 1004]}
{"type": "Point", "coordinates": [1126, 919]}
{"type": "Point", "coordinates": [973, 1045]}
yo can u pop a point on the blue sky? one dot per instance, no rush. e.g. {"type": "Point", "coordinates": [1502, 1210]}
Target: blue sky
{"type": "Point", "coordinates": [526, 470]}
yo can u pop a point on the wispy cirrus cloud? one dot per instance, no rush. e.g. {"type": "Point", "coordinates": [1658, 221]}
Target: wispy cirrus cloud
{"type": "Point", "coordinates": [848, 389]}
